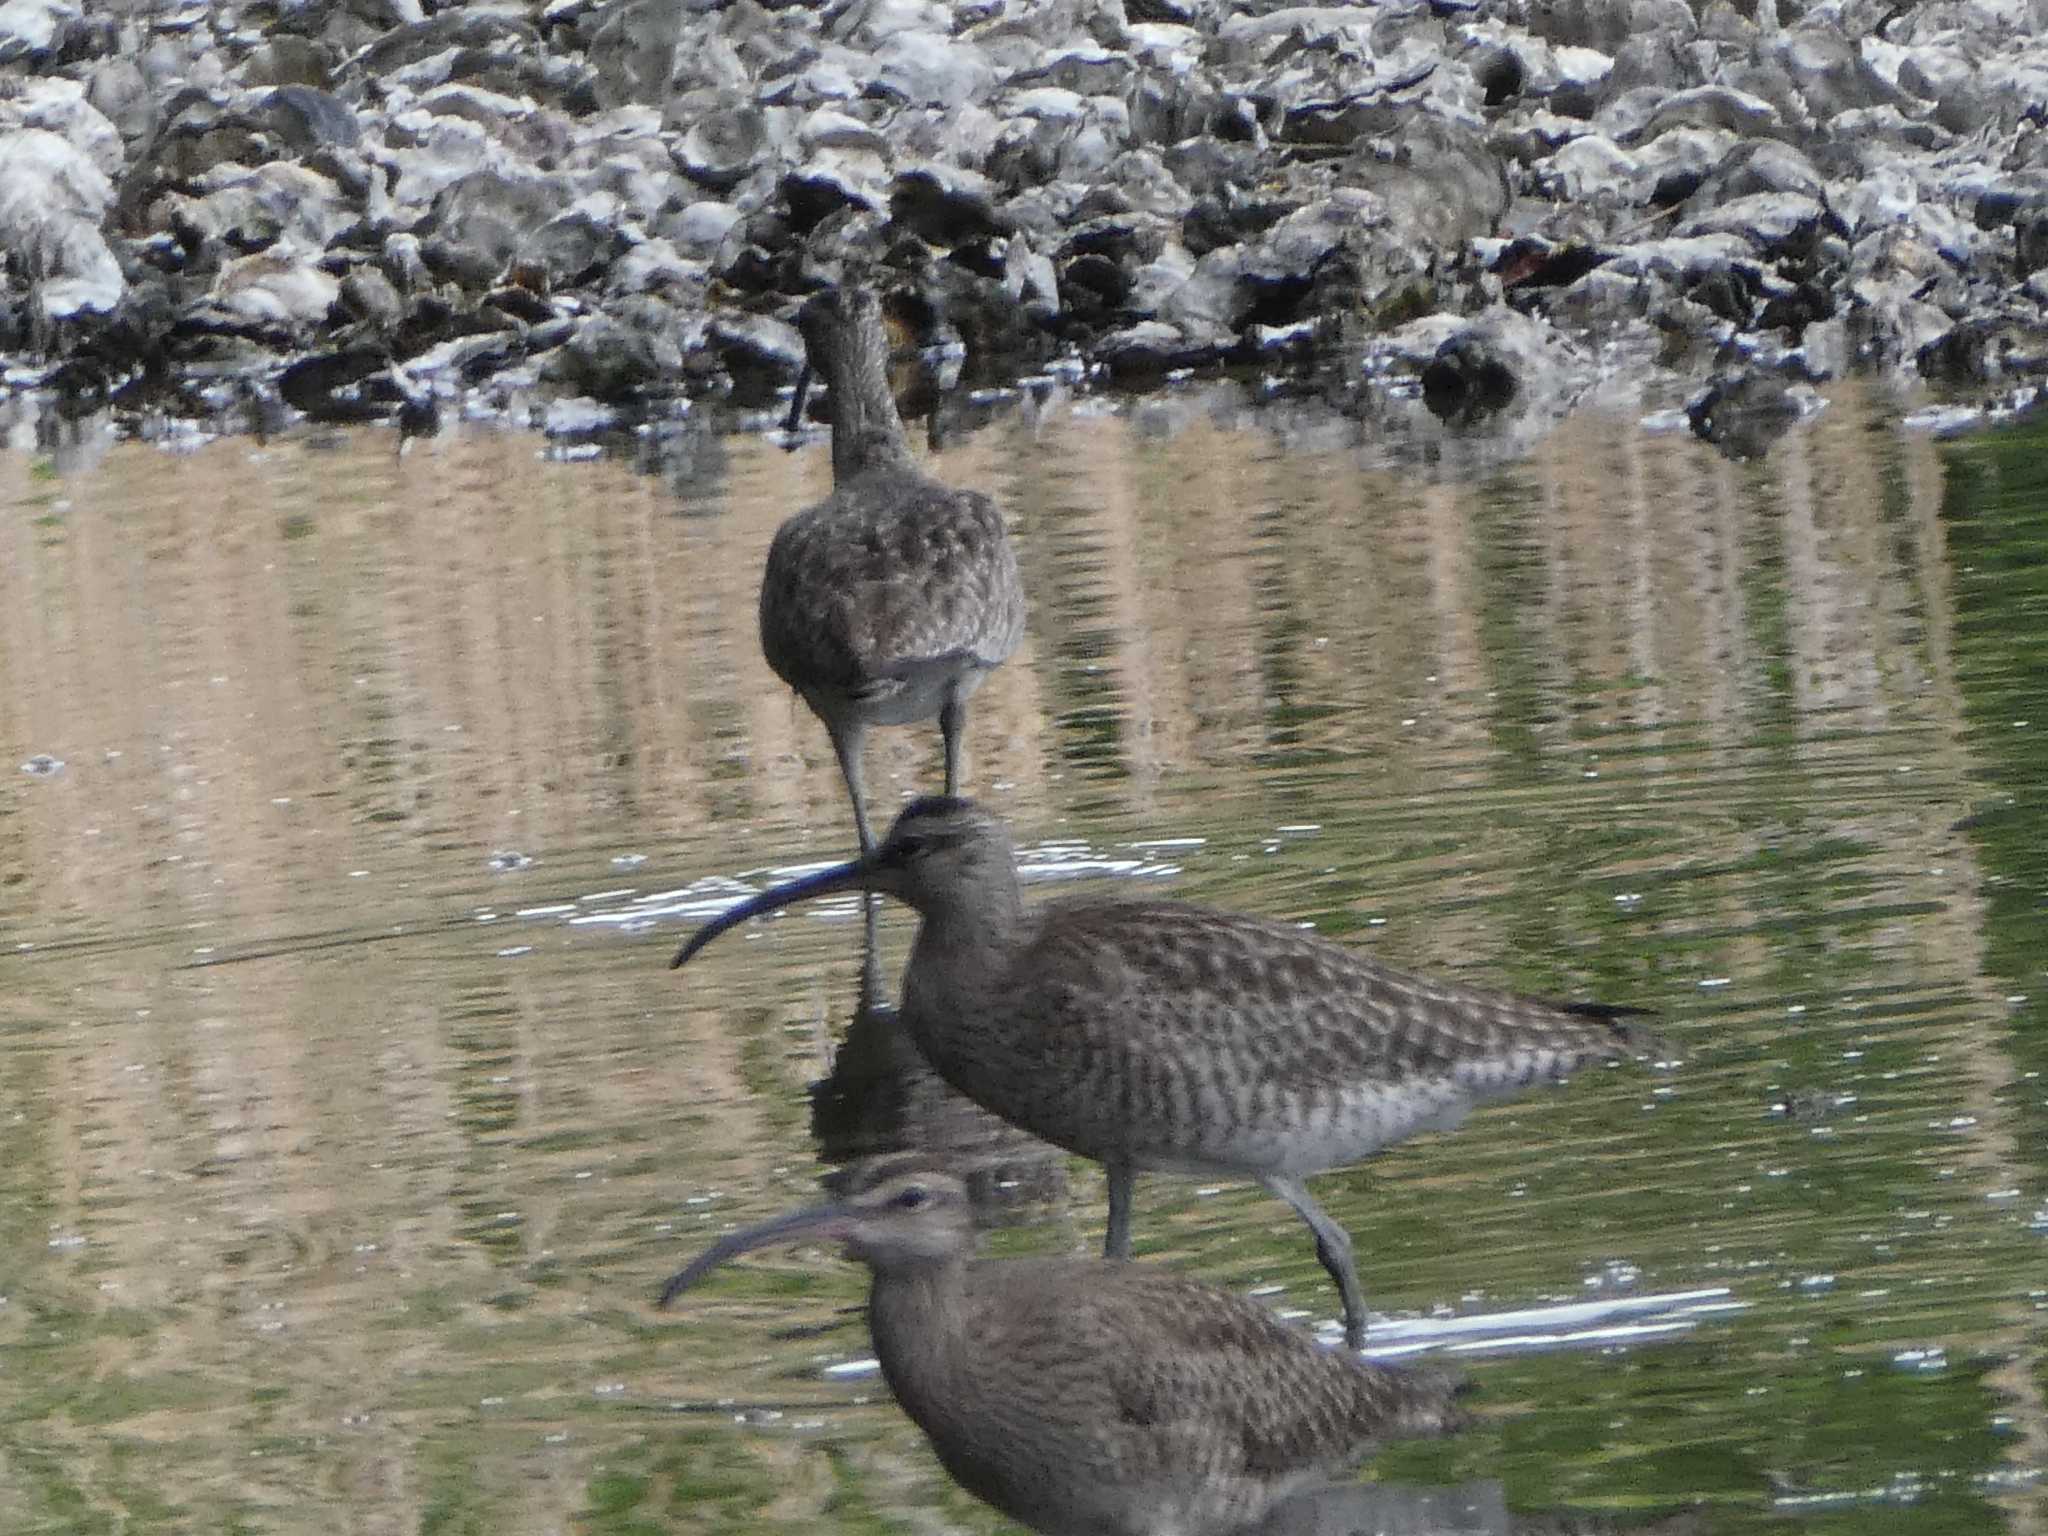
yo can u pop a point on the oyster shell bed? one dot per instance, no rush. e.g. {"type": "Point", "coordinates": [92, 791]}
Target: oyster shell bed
{"type": "Point", "coordinates": [591, 212]}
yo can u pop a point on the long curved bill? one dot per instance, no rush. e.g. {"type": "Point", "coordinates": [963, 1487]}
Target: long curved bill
{"type": "Point", "coordinates": [827, 1221]}
{"type": "Point", "coordinates": [851, 876]}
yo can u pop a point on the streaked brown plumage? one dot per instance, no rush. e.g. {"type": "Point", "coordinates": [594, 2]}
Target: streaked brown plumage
{"type": "Point", "coordinates": [1151, 1035]}
{"type": "Point", "coordinates": [1077, 1396]}
{"type": "Point", "coordinates": [890, 600]}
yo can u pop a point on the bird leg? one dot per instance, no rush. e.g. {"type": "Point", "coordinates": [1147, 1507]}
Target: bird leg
{"type": "Point", "coordinates": [952, 726]}
{"type": "Point", "coordinates": [797, 399]}
{"type": "Point", "coordinates": [1116, 1242]}
{"type": "Point", "coordinates": [1333, 1248]}
{"type": "Point", "coordinates": [870, 953]}
{"type": "Point", "coordinates": [846, 740]}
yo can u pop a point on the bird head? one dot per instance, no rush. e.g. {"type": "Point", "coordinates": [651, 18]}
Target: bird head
{"type": "Point", "coordinates": [942, 854]}
{"type": "Point", "coordinates": [899, 1213]}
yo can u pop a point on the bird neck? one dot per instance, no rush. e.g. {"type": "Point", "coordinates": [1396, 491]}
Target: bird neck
{"type": "Point", "coordinates": [917, 1313]}
{"type": "Point", "coordinates": [970, 935]}
{"type": "Point", "coordinates": [866, 431]}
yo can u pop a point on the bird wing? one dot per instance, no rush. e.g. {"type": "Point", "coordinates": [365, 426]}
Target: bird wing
{"type": "Point", "coordinates": [888, 574]}
{"type": "Point", "coordinates": [1180, 1378]}
{"type": "Point", "coordinates": [1276, 1002]}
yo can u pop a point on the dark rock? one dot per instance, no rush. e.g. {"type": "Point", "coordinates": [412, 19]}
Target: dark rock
{"type": "Point", "coordinates": [633, 53]}
{"type": "Point", "coordinates": [1985, 349]}
{"type": "Point", "coordinates": [327, 386]}
{"type": "Point", "coordinates": [120, 89]}
{"type": "Point", "coordinates": [1705, 106]}
{"type": "Point", "coordinates": [1744, 414]}
{"type": "Point", "coordinates": [1125, 239]}
{"type": "Point", "coordinates": [458, 29]}
{"type": "Point", "coordinates": [1533, 264]}
{"type": "Point", "coordinates": [1466, 380]}
{"type": "Point", "coordinates": [946, 206]}
{"type": "Point", "coordinates": [1438, 182]}
{"type": "Point", "coordinates": [2030, 236]}
{"type": "Point", "coordinates": [250, 211]}
{"type": "Point", "coordinates": [758, 352]}
{"type": "Point", "coordinates": [1141, 353]}
{"type": "Point", "coordinates": [1500, 73]}
{"type": "Point", "coordinates": [826, 186]}
{"type": "Point", "coordinates": [1759, 166]}
{"type": "Point", "coordinates": [620, 357]}
{"type": "Point", "coordinates": [282, 59]}
{"type": "Point", "coordinates": [201, 131]}
{"type": "Point", "coordinates": [1093, 289]}
{"type": "Point", "coordinates": [1806, 304]}
{"type": "Point", "coordinates": [729, 138]}
{"type": "Point", "coordinates": [572, 248]}
{"type": "Point", "coordinates": [1829, 74]}
{"type": "Point", "coordinates": [369, 296]}
{"type": "Point", "coordinates": [479, 223]}
{"type": "Point", "coordinates": [305, 119]}
{"type": "Point", "coordinates": [1777, 223]}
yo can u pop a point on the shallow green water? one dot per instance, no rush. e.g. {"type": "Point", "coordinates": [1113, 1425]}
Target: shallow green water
{"type": "Point", "coordinates": [349, 1119]}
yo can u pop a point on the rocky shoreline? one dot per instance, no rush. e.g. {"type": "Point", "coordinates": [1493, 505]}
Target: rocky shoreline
{"type": "Point", "coordinates": [360, 210]}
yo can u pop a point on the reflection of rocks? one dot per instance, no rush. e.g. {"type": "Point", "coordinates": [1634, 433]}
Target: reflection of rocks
{"type": "Point", "coordinates": [1743, 414]}
{"type": "Point", "coordinates": [881, 1097]}
{"type": "Point", "coordinates": [608, 193]}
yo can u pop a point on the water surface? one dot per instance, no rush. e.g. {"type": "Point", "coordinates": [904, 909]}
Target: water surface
{"type": "Point", "coordinates": [353, 805]}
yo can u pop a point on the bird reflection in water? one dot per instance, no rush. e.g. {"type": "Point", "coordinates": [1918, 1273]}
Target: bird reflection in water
{"type": "Point", "coordinates": [1087, 1395]}
{"type": "Point", "coordinates": [882, 1097]}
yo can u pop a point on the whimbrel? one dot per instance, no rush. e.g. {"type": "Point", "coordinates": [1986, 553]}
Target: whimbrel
{"type": "Point", "coordinates": [890, 600]}
{"type": "Point", "coordinates": [1151, 1035]}
{"type": "Point", "coordinates": [1077, 1396]}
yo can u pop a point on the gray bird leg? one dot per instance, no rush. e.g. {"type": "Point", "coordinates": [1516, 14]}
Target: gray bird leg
{"type": "Point", "coordinates": [1333, 1247]}
{"type": "Point", "coordinates": [870, 953]}
{"type": "Point", "coordinates": [952, 726]}
{"type": "Point", "coordinates": [1116, 1242]}
{"type": "Point", "coordinates": [846, 739]}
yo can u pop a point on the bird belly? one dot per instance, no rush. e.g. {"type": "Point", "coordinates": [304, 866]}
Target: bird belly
{"type": "Point", "coordinates": [1062, 1484]}
{"type": "Point", "coordinates": [918, 689]}
{"type": "Point", "coordinates": [1306, 1133]}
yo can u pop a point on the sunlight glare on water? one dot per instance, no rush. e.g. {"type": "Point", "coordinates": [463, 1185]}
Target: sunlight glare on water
{"type": "Point", "coordinates": [350, 1120]}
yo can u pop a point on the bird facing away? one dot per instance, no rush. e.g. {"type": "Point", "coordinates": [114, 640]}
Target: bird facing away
{"type": "Point", "coordinates": [890, 600]}
{"type": "Point", "coordinates": [1152, 1035]}
{"type": "Point", "coordinates": [1077, 1396]}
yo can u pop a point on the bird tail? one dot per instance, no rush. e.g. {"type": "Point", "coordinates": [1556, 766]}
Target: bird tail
{"type": "Point", "coordinates": [1433, 1402]}
{"type": "Point", "coordinates": [1630, 1038]}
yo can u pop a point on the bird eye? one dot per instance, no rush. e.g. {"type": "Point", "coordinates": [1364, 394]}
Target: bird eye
{"type": "Point", "coordinates": [911, 1198]}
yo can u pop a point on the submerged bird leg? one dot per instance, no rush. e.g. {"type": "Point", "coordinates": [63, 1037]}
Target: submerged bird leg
{"type": "Point", "coordinates": [846, 739]}
{"type": "Point", "coordinates": [1116, 1242]}
{"type": "Point", "coordinates": [1333, 1248]}
{"type": "Point", "coordinates": [870, 951]}
{"type": "Point", "coordinates": [952, 726]}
